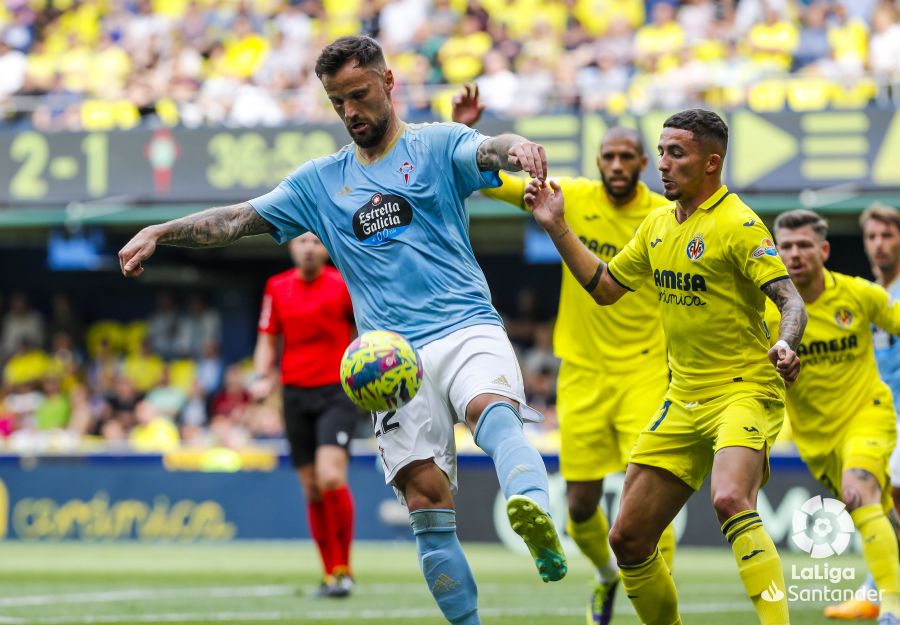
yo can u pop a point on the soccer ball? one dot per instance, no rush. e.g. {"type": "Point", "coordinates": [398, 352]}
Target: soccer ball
{"type": "Point", "coordinates": [380, 371]}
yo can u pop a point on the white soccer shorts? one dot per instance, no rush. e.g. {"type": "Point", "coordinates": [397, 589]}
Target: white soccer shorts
{"type": "Point", "coordinates": [456, 369]}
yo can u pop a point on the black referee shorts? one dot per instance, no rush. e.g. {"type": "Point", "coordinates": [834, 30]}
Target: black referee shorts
{"type": "Point", "coordinates": [319, 415]}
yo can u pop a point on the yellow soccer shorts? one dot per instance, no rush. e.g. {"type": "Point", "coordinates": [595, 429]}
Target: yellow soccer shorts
{"type": "Point", "coordinates": [866, 442]}
{"type": "Point", "coordinates": [600, 416]}
{"type": "Point", "coordinates": [684, 436]}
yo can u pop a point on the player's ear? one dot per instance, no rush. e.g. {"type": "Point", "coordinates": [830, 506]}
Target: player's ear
{"type": "Point", "coordinates": [644, 161]}
{"type": "Point", "coordinates": [826, 250]}
{"type": "Point", "coordinates": [713, 163]}
{"type": "Point", "coordinates": [388, 80]}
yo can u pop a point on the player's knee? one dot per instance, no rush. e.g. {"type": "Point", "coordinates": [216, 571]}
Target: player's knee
{"type": "Point", "coordinates": [581, 509]}
{"type": "Point", "coordinates": [727, 503]}
{"type": "Point", "coordinates": [852, 498]}
{"type": "Point", "coordinates": [330, 481]}
{"type": "Point", "coordinates": [629, 545]}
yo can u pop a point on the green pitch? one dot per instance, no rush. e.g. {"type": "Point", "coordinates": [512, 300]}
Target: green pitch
{"type": "Point", "coordinates": [270, 583]}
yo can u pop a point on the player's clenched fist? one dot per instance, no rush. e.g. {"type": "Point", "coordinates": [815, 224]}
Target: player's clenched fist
{"type": "Point", "coordinates": [530, 157]}
{"type": "Point", "coordinates": [786, 362]}
{"type": "Point", "coordinates": [137, 250]}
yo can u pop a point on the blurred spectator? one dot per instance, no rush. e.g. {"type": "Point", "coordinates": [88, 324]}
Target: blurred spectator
{"type": "Point", "coordinates": [772, 42]}
{"type": "Point", "coordinates": [144, 368]}
{"type": "Point", "coordinates": [210, 368]}
{"type": "Point", "coordinates": [154, 431]}
{"type": "Point", "coordinates": [849, 39]}
{"type": "Point", "coordinates": [230, 402]}
{"type": "Point", "coordinates": [884, 47]}
{"type": "Point", "coordinates": [21, 324]}
{"type": "Point", "coordinates": [813, 43]}
{"type": "Point", "coordinates": [64, 318]}
{"type": "Point", "coordinates": [162, 325]}
{"type": "Point", "coordinates": [26, 366]}
{"type": "Point", "coordinates": [656, 45]}
{"type": "Point", "coordinates": [540, 356]}
{"type": "Point", "coordinates": [197, 326]}
{"type": "Point", "coordinates": [13, 64]}
{"type": "Point", "coordinates": [53, 412]}
{"type": "Point", "coordinates": [498, 86]}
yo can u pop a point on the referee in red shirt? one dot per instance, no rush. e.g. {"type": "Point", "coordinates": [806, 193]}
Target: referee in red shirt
{"type": "Point", "coordinates": [309, 307]}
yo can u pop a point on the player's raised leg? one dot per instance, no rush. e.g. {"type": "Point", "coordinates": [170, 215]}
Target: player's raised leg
{"type": "Point", "coordinates": [433, 520]}
{"type": "Point", "coordinates": [651, 498]}
{"type": "Point", "coordinates": [737, 476]}
{"type": "Point", "coordinates": [862, 494]}
{"type": "Point", "coordinates": [497, 429]}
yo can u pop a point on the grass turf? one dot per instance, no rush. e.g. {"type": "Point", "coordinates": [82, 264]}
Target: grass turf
{"type": "Point", "coordinates": [272, 582]}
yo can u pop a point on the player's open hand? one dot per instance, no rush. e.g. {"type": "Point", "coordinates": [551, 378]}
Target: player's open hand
{"type": "Point", "coordinates": [547, 204]}
{"type": "Point", "coordinates": [137, 250]}
{"type": "Point", "coordinates": [786, 362]}
{"type": "Point", "coordinates": [466, 107]}
{"type": "Point", "coordinates": [530, 157]}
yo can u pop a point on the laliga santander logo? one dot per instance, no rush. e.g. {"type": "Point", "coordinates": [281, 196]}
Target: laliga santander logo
{"type": "Point", "coordinates": [822, 527]}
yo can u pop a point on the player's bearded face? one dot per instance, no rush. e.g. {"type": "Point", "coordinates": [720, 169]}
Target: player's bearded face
{"type": "Point", "coordinates": [361, 97]}
{"type": "Point", "coordinates": [620, 163]}
{"type": "Point", "coordinates": [882, 243]}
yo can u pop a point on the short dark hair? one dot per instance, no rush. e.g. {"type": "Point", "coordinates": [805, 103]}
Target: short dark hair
{"type": "Point", "coordinates": [792, 220]}
{"type": "Point", "coordinates": [887, 215]}
{"type": "Point", "coordinates": [362, 49]}
{"type": "Point", "coordinates": [705, 126]}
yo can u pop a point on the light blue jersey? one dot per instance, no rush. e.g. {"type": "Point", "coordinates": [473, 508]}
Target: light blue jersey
{"type": "Point", "coordinates": [397, 229]}
{"type": "Point", "coordinates": [887, 352]}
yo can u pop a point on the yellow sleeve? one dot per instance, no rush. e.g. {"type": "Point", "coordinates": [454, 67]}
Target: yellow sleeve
{"type": "Point", "coordinates": [877, 302]}
{"type": "Point", "coordinates": [631, 266]}
{"type": "Point", "coordinates": [511, 190]}
{"type": "Point", "coordinates": [752, 249]}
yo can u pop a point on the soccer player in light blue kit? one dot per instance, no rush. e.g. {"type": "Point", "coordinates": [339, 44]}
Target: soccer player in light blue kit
{"type": "Point", "coordinates": [390, 209]}
{"type": "Point", "coordinates": [880, 225]}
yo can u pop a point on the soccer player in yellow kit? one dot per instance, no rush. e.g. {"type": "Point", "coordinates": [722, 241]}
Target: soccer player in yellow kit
{"type": "Point", "coordinates": [614, 371]}
{"type": "Point", "coordinates": [841, 412]}
{"type": "Point", "coordinates": [724, 405]}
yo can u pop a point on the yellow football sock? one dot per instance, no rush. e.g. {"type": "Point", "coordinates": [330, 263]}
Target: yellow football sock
{"type": "Point", "coordinates": [759, 566]}
{"type": "Point", "coordinates": [667, 546]}
{"type": "Point", "coordinates": [879, 545]}
{"type": "Point", "coordinates": [592, 537]}
{"type": "Point", "coordinates": [651, 589]}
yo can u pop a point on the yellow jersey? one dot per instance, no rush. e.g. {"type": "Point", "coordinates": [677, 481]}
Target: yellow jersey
{"type": "Point", "coordinates": [838, 372]}
{"type": "Point", "coordinates": [587, 334]}
{"type": "Point", "coordinates": [708, 273]}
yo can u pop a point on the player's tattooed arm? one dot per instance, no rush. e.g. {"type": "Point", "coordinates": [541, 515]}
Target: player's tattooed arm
{"type": "Point", "coordinates": [793, 321]}
{"type": "Point", "coordinates": [793, 313]}
{"type": "Point", "coordinates": [512, 153]}
{"type": "Point", "coordinates": [209, 228]}
{"type": "Point", "coordinates": [214, 227]}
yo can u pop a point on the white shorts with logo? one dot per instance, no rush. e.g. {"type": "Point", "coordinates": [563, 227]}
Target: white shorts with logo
{"type": "Point", "coordinates": [456, 369]}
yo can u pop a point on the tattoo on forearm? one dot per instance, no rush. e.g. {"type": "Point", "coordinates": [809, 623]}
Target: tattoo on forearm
{"type": "Point", "coordinates": [215, 227]}
{"type": "Point", "coordinates": [493, 153]}
{"type": "Point", "coordinates": [793, 312]}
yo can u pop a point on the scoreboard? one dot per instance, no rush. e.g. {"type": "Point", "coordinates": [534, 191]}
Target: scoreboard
{"type": "Point", "coordinates": [778, 152]}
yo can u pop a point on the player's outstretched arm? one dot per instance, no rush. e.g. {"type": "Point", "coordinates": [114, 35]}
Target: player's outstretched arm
{"type": "Point", "coordinates": [210, 228]}
{"type": "Point", "coordinates": [512, 153]}
{"type": "Point", "coordinates": [547, 204]}
{"type": "Point", "coordinates": [793, 322]}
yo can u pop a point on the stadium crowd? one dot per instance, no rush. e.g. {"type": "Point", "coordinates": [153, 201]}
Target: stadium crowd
{"type": "Point", "coordinates": [99, 64]}
{"type": "Point", "coordinates": [160, 383]}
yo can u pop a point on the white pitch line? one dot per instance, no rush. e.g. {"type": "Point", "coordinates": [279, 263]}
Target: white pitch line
{"type": "Point", "coordinates": [334, 615]}
{"type": "Point", "coordinates": [113, 596]}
